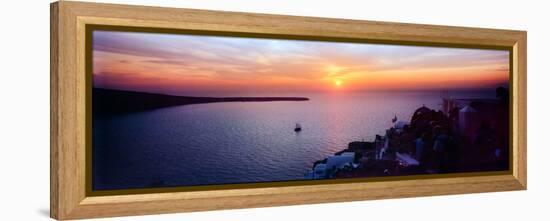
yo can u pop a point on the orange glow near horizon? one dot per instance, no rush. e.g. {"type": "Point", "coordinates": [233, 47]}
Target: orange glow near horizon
{"type": "Point", "coordinates": [182, 64]}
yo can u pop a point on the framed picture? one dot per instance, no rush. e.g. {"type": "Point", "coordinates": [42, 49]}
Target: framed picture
{"type": "Point", "coordinates": [159, 110]}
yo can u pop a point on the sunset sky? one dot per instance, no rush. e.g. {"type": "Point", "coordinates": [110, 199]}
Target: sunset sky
{"type": "Point", "coordinates": [186, 64]}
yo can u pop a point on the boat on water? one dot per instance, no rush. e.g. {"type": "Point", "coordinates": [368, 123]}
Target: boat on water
{"type": "Point", "coordinates": [298, 128]}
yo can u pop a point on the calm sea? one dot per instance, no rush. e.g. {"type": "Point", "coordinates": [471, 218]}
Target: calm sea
{"type": "Point", "coordinates": [241, 142]}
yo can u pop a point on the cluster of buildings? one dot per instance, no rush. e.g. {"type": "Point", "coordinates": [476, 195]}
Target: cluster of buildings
{"type": "Point", "coordinates": [466, 135]}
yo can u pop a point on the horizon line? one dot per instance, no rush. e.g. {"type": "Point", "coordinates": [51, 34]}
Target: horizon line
{"type": "Point", "coordinates": [182, 93]}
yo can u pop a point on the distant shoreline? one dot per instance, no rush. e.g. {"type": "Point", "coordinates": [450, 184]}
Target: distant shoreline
{"type": "Point", "coordinates": [116, 101]}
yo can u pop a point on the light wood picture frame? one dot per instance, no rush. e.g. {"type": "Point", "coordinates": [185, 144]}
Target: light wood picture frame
{"type": "Point", "coordinates": [70, 179]}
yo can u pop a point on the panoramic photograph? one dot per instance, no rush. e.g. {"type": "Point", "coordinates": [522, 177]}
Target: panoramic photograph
{"type": "Point", "coordinates": [179, 110]}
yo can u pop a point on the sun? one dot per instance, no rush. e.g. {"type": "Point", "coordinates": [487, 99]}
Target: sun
{"type": "Point", "coordinates": [338, 83]}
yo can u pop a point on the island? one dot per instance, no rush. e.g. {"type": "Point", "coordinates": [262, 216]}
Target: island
{"type": "Point", "coordinates": [118, 101]}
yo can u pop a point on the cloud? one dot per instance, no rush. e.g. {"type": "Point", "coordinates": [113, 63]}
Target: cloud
{"type": "Point", "coordinates": [164, 58]}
